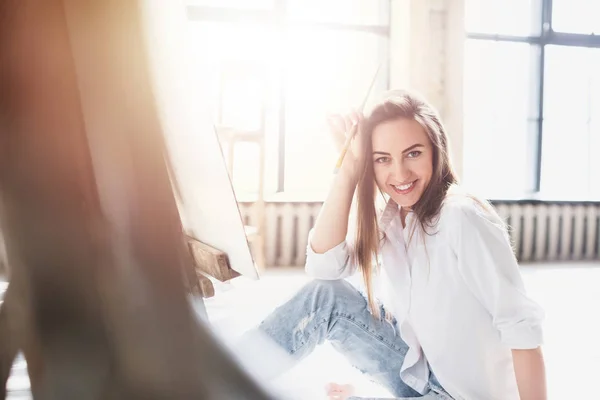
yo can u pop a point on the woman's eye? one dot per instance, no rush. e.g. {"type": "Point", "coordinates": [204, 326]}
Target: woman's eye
{"type": "Point", "coordinates": [381, 160]}
{"type": "Point", "coordinates": [413, 154]}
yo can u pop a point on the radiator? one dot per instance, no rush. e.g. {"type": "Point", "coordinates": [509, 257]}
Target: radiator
{"type": "Point", "coordinates": [553, 231]}
{"type": "Point", "coordinates": [540, 231]}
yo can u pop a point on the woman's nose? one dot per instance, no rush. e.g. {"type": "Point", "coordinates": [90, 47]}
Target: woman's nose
{"type": "Point", "coordinates": [400, 172]}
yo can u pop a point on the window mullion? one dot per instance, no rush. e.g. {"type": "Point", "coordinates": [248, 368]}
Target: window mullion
{"type": "Point", "coordinates": [546, 29]}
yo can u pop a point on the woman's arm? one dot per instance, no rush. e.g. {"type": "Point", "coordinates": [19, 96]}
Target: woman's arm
{"type": "Point", "coordinates": [328, 256]}
{"type": "Point", "coordinates": [530, 373]}
{"type": "Point", "coordinates": [331, 226]}
{"type": "Point", "coordinates": [491, 271]}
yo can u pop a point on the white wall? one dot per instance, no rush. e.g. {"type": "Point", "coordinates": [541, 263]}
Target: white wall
{"type": "Point", "coordinates": [426, 55]}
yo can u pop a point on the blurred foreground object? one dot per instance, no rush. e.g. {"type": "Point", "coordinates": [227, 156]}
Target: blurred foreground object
{"type": "Point", "coordinates": [93, 236]}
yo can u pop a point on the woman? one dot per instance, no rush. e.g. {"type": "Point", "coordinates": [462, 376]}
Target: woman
{"type": "Point", "coordinates": [454, 321]}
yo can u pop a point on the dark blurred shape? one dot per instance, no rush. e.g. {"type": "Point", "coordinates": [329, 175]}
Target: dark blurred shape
{"type": "Point", "coordinates": [93, 236]}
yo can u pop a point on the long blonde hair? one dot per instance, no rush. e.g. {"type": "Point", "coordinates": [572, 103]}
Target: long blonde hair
{"type": "Point", "coordinates": [394, 105]}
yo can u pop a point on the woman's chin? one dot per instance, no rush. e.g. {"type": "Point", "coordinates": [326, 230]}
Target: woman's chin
{"type": "Point", "coordinates": [404, 201]}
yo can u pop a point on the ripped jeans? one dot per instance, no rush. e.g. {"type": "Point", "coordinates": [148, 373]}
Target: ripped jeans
{"type": "Point", "coordinates": [336, 311]}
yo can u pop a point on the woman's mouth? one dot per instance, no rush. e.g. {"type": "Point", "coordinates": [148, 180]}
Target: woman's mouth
{"type": "Point", "coordinates": [404, 189]}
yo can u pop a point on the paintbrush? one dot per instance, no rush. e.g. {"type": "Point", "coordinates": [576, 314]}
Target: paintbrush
{"type": "Point", "coordinates": [354, 128]}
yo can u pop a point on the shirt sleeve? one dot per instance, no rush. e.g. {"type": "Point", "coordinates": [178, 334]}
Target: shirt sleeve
{"type": "Point", "coordinates": [336, 263]}
{"type": "Point", "coordinates": [487, 264]}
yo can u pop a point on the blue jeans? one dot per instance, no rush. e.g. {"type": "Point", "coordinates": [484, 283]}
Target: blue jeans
{"type": "Point", "coordinates": [336, 311]}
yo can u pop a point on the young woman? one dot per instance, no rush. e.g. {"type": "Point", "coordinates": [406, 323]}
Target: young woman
{"type": "Point", "coordinates": [445, 313]}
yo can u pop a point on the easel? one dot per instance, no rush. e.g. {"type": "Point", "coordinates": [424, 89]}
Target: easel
{"type": "Point", "coordinates": [93, 233]}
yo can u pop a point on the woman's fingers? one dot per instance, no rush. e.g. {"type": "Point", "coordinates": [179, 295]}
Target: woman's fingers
{"type": "Point", "coordinates": [344, 127]}
{"type": "Point", "coordinates": [348, 123]}
{"type": "Point", "coordinates": [356, 116]}
{"type": "Point", "coordinates": [357, 119]}
{"type": "Point", "coordinates": [341, 127]}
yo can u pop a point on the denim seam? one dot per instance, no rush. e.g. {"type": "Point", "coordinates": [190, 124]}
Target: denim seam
{"type": "Point", "coordinates": [353, 322]}
{"type": "Point", "coordinates": [372, 334]}
{"type": "Point", "coordinates": [294, 351]}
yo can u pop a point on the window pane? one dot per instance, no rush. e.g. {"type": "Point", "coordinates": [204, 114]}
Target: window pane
{"type": "Point", "coordinates": [218, 48]}
{"type": "Point", "coordinates": [570, 147]}
{"type": "Point", "coordinates": [499, 124]}
{"type": "Point", "coordinates": [237, 72]}
{"type": "Point", "coordinates": [576, 16]}
{"type": "Point", "coordinates": [367, 12]}
{"type": "Point", "coordinates": [243, 92]}
{"type": "Point", "coordinates": [327, 71]}
{"type": "Point", "coordinates": [241, 4]}
{"type": "Point", "coordinates": [506, 17]}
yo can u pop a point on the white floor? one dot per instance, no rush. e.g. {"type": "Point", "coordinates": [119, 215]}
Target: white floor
{"type": "Point", "coordinates": [568, 292]}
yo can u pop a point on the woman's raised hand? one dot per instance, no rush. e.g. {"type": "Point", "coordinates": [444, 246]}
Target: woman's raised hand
{"type": "Point", "coordinates": [342, 127]}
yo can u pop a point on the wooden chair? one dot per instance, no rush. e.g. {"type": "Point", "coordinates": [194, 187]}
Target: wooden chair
{"type": "Point", "coordinates": [235, 76]}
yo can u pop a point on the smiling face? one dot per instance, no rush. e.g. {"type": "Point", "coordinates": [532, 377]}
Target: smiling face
{"type": "Point", "coordinates": [402, 160]}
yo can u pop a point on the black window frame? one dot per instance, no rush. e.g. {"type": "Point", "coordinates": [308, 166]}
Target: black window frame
{"type": "Point", "coordinates": [547, 36]}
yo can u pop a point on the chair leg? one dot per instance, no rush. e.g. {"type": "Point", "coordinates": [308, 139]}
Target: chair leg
{"type": "Point", "coordinates": [259, 252]}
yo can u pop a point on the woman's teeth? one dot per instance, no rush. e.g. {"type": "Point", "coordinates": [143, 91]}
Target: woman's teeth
{"type": "Point", "coordinates": [403, 187]}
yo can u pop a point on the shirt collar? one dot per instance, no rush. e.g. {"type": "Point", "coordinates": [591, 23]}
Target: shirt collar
{"type": "Point", "coordinates": [389, 214]}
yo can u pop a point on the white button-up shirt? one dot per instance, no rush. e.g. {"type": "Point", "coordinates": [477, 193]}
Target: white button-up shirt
{"type": "Point", "coordinates": [457, 295]}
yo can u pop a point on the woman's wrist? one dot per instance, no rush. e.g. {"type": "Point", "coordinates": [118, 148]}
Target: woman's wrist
{"type": "Point", "coordinates": [346, 178]}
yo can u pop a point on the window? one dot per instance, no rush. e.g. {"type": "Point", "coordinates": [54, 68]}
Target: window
{"type": "Point", "coordinates": [359, 12]}
{"type": "Point", "coordinates": [325, 71]}
{"type": "Point", "coordinates": [576, 16]}
{"type": "Point", "coordinates": [570, 147]}
{"type": "Point", "coordinates": [506, 17]}
{"type": "Point", "coordinates": [532, 99]}
{"type": "Point", "coordinates": [233, 61]}
{"type": "Point", "coordinates": [309, 58]}
{"type": "Point", "coordinates": [499, 121]}
{"type": "Point", "coordinates": [245, 4]}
